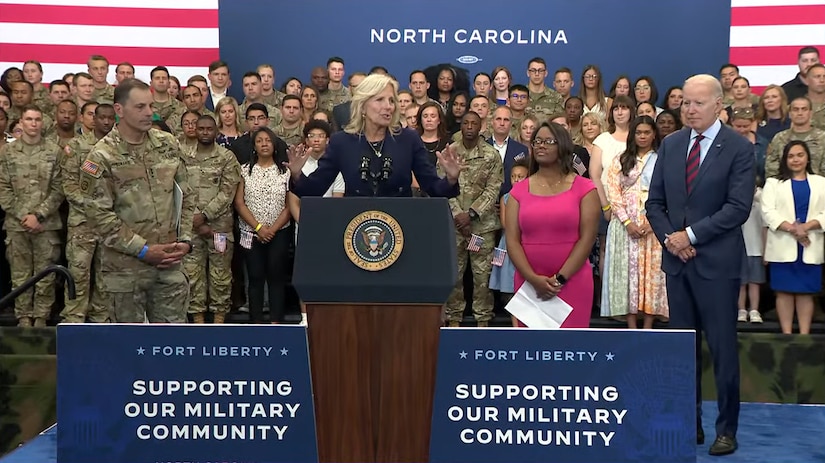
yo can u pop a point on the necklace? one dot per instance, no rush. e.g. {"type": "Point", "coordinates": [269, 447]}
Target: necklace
{"type": "Point", "coordinates": [547, 184]}
{"type": "Point", "coordinates": [377, 147]}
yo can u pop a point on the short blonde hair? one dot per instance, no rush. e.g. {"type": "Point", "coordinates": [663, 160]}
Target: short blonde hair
{"type": "Point", "coordinates": [597, 119]}
{"type": "Point", "coordinates": [229, 101]}
{"type": "Point", "coordinates": [371, 86]}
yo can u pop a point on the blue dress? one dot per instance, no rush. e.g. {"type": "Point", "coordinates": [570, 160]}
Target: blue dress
{"type": "Point", "coordinates": [797, 277]}
{"type": "Point", "coordinates": [503, 278]}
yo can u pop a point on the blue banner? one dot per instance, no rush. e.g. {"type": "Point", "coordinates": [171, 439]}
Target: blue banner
{"type": "Point", "coordinates": [641, 37]}
{"type": "Point", "coordinates": [566, 396]}
{"type": "Point", "coordinates": [184, 393]}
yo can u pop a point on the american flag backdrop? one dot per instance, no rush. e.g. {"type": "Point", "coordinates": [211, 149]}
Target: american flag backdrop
{"type": "Point", "coordinates": [62, 34]}
{"type": "Point", "coordinates": [765, 35]}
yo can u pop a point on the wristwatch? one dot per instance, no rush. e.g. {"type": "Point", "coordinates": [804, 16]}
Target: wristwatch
{"type": "Point", "coordinates": [473, 214]}
{"type": "Point", "coordinates": [191, 247]}
{"type": "Point", "coordinates": [39, 217]}
{"type": "Point", "coordinates": [561, 279]}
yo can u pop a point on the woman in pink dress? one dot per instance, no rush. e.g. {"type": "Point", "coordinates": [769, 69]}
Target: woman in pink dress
{"type": "Point", "coordinates": [554, 218]}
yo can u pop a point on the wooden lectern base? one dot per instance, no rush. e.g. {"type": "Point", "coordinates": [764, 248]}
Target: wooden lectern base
{"type": "Point", "coordinates": [373, 377]}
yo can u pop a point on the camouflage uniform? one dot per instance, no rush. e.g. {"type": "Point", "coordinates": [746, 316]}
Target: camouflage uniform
{"type": "Point", "coordinates": [214, 177]}
{"type": "Point", "coordinates": [81, 242]}
{"type": "Point", "coordinates": [290, 136]}
{"type": "Point", "coordinates": [544, 104]}
{"type": "Point", "coordinates": [41, 99]}
{"type": "Point", "coordinates": [328, 99]}
{"type": "Point", "coordinates": [55, 138]}
{"type": "Point", "coordinates": [48, 121]}
{"type": "Point", "coordinates": [274, 114]}
{"type": "Point", "coordinates": [104, 95]}
{"type": "Point", "coordinates": [174, 120]}
{"type": "Point", "coordinates": [130, 202]}
{"type": "Point", "coordinates": [30, 184]}
{"type": "Point", "coordinates": [818, 116]}
{"type": "Point", "coordinates": [815, 138]}
{"type": "Point", "coordinates": [164, 109]}
{"type": "Point", "coordinates": [728, 100]}
{"type": "Point", "coordinates": [273, 99]}
{"type": "Point", "coordinates": [480, 184]}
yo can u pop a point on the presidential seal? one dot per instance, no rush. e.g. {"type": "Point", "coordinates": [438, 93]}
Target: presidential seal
{"type": "Point", "coordinates": [373, 240]}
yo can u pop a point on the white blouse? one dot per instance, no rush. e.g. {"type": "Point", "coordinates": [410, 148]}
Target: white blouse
{"type": "Point", "coordinates": [264, 194]}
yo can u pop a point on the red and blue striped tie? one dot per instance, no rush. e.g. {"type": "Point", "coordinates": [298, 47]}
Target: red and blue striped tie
{"type": "Point", "coordinates": [692, 168]}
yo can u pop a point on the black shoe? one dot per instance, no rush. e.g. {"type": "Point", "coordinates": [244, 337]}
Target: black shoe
{"type": "Point", "coordinates": [700, 435]}
{"type": "Point", "coordinates": [723, 445]}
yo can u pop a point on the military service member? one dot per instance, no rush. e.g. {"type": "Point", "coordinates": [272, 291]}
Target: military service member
{"type": "Point", "coordinates": [290, 129]}
{"type": "Point", "coordinates": [192, 101]}
{"type": "Point", "coordinates": [251, 83]}
{"type": "Point", "coordinates": [801, 129]}
{"type": "Point", "coordinates": [33, 73]}
{"type": "Point", "coordinates": [81, 242]}
{"type": "Point", "coordinates": [21, 97]}
{"type": "Point", "coordinates": [543, 101]}
{"type": "Point", "coordinates": [124, 71]}
{"type": "Point", "coordinates": [30, 194]}
{"type": "Point", "coordinates": [162, 103]}
{"type": "Point", "coordinates": [99, 70]}
{"type": "Point", "coordinates": [269, 94]}
{"type": "Point", "coordinates": [139, 202]}
{"type": "Point", "coordinates": [519, 96]}
{"type": "Point", "coordinates": [214, 175]}
{"type": "Point", "coordinates": [335, 92]}
{"type": "Point", "coordinates": [476, 219]}
{"type": "Point", "coordinates": [64, 128]}
{"type": "Point", "coordinates": [816, 93]}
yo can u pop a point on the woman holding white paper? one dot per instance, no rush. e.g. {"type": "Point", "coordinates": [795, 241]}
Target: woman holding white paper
{"type": "Point", "coordinates": [552, 220]}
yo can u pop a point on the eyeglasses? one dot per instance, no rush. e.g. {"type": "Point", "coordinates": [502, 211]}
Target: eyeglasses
{"type": "Point", "coordinates": [517, 96]}
{"type": "Point", "coordinates": [591, 76]}
{"type": "Point", "coordinates": [549, 141]}
{"type": "Point", "coordinates": [257, 118]}
{"type": "Point", "coordinates": [190, 123]}
{"type": "Point", "coordinates": [643, 87]}
{"type": "Point", "coordinates": [536, 71]}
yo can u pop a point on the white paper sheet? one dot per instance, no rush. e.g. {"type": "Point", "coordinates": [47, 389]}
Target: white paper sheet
{"type": "Point", "coordinates": [538, 313]}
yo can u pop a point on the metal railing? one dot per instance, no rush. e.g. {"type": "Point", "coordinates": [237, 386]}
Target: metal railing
{"type": "Point", "coordinates": [28, 284]}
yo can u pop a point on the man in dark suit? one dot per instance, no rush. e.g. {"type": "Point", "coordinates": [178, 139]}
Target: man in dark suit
{"type": "Point", "coordinates": [700, 195]}
{"type": "Point", "coordinates": [341, 115]}
{"type": "Point", "coordinates": [501, 141]}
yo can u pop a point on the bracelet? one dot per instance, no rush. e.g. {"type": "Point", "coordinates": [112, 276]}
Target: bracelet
{"type": "Point", "coordinates": [143, 252]}
{"type": "Point", "coordinates": [258, 227]}
{"type": "Point", "coordinates": [626, 222]}
{"type": "Point", "coordinates": [606, 208]}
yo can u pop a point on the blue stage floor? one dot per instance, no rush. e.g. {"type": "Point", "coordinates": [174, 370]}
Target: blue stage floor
{"type": "Point", "coordinates": [767, 433]}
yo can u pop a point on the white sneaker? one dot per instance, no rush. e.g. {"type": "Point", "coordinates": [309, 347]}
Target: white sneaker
{"type": "Point", "coordinates": [303, 321]}
{"type": "Point", "coordinates": [755, 316]}
{"type": "Point", "coordinates": [743, 315]}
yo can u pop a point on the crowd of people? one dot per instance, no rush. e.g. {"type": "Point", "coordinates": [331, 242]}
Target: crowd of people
{"type": "Point", "coordinates": [239, 158]}
{"type": "Point", "coordinates": [664, 208]}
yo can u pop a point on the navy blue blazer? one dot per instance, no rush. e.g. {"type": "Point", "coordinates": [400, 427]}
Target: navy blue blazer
{"type": "Point", "coordinates": [515, 151]}
{"type": "Point", "coordinates": [345, 153]}
{"type": "Point", "coordinates": [719, 203]}
{"type": "Point", "coordinates": [341, 115]}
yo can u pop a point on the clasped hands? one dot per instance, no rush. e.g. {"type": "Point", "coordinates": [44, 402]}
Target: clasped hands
{"type": "Point", "coordinates": [798, 231]}
{"type": "Point", "coordinates": [678, 244]}
{"type": "Point", "coordinates": [463, 223]}
{"type": "Point", "coordinates": [31, 224]}
{"type": "Point", "coordinates": [546, 287]}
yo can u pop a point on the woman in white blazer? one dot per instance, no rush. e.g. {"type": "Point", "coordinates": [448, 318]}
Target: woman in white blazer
{"type": "Point", "coordinates": [793, 208]}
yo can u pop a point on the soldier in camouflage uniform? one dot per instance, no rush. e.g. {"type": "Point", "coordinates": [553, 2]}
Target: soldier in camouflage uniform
{"type": "Point", "coordinates": [21, 97]}
{"type": "Point", "coordinates": [291, 130]}
{"type": "Point", "coordinates": [544, 101]}
{"type": "Point", "coordinates": [335, 92]}
{"type": "Point", "coordinates": [801, 129]}
{"type": "Point", "coordinates": [475, 213]}
{"type": "Point", "coordinates": [30, 194]}
{"type": "Point", "coordinates": [130, 184]}
{"type": "Point", "coordinates": [192, 101]}
{"type": "Point", "coordinates": [252, 92]}
{"type": "Point", "coordinates": [816, 93]}
{"type": "Point", "coordinates": [269, 94]}
{"type": "Point", "coordinates": [66, 119]}
{"type": "Point", "coordinates": [99, 70]}
{"type": "Point", "coordinates": [162, 103]}
{"type": "Point", "coordinates": [214, 175]}
{"type": "Point", "coordinates": [33, 73]}
{"type": "Point", "coordinates": [81, 243]}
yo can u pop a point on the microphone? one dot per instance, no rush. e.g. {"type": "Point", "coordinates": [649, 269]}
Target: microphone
{"type": "Point", "coordinates": [365, 168]}
{"type": "Point", "coordinates": [386, 169]}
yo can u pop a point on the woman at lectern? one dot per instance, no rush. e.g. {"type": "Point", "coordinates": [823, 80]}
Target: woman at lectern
{"type": "Point", "coordinates": [374, 154]}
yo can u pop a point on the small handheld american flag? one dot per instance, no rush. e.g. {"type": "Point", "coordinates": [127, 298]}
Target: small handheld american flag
{"type": "Point", "coordinates": [246, 239]}
{"type": "Point", "coordinates": [498, 256]}
{"type": "Point", "coordinates": [475, 243]}
{"type": "Point", "coordinates": [219, 240]}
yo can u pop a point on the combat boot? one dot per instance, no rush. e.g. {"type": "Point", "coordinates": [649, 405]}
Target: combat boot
{"type": "Point", "coordinates": [219, 318]}
{"type": "Point", "coordinates": [39, 322]}
{"type": "Point", "coordinates": [198, 318]}
{"type": "Point", "coordinates": [24, 322]}
{"type": "Point", "coordinates": [454, 324]}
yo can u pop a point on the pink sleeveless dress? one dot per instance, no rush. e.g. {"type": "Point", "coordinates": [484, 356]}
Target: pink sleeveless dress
{"type": "Point", "coordinates": [549, 230]}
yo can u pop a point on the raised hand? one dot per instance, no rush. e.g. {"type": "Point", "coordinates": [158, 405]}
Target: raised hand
{"type": "Point", "coordinates": [297, 155]}
{"type": "Point", "coordinates": [449, 161]}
